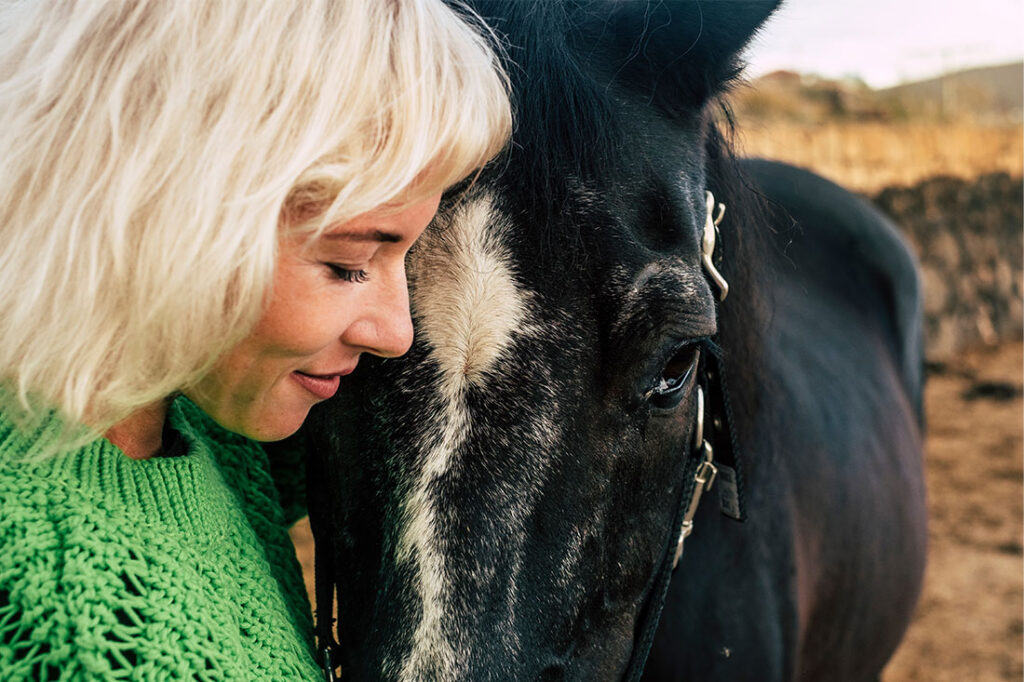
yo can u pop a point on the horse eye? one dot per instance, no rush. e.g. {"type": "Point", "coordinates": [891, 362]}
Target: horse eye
{"type": "Point", "coordinates": [674, 377]}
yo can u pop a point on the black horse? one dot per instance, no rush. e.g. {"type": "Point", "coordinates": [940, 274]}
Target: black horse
{"type": "Point", "coordinates": [504, 502]}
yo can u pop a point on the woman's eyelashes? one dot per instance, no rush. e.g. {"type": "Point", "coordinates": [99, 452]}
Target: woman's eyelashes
{"type": "Point", "coordinates": [347, 275]}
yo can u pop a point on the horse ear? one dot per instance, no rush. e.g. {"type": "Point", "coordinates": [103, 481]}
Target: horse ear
{"type": "Point", "coordinates": [679, 53]}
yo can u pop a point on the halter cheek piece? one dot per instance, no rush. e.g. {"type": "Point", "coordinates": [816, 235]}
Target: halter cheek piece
{"type": "Point", "coordinates": [708, 245]}
{"type": "Point", "coordinates": [707, 471]}
{"type": "Point", "coordinates": [701, 468]}
{"type": "Point", "coordinates": [704, 478]}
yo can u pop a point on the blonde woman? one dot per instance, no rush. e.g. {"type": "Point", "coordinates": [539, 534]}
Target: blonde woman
{"type": "Point", "coordinates": [205, 210]}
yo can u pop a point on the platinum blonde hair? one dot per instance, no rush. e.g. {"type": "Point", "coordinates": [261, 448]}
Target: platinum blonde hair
{"type": "Point", "coordinates": [152, 150]}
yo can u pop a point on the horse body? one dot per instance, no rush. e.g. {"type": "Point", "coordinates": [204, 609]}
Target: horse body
{"type": "Point", "coordinates": [496, 505]}
{"type": "Point", "coordinates": [819, 582]}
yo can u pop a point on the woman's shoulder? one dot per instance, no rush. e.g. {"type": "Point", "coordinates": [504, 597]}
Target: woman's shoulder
{"type": "Point", "coordinates": [34, 495]}
{"type": "Point", "coordinates": [48, 579]}
{"type": "Point", "coordinates": [34, 507]}
{"type": "Point", "coordinates": [84, 597]}
{"type": "Point", "coordinates": [109, 564]}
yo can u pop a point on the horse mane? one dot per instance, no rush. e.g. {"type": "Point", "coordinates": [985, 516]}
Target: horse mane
{"type": "Point", "coordinates": [564, 125]}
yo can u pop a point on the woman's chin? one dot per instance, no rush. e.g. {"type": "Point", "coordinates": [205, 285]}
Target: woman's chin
{"type": "Point", "coordinates": [269, 424]}
{"type": "Point", "coordinates": [276, 426]}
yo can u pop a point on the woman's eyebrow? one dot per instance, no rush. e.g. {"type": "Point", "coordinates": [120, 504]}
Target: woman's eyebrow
{"type": "Point", "coordinates": [365, 236]}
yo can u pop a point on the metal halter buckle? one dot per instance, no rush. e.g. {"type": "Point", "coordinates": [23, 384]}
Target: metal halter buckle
{"type": "Point", "coordinates": [711, 224]}
{"type": "Point", "coordinates": [704, 477]}
{"type": "Point", "coordinates": [327, 664]}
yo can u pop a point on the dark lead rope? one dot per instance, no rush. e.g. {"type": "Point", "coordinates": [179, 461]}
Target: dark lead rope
{"type": "Point", "coordinates": [326, 644]}
{"type": "Point", "coordinates": [323, 574]}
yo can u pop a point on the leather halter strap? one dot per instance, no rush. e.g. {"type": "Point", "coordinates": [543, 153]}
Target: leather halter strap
{"type": "Point", "coordinates": [714, 456]}
{"type": "Point", "coordinates": [328, 649]}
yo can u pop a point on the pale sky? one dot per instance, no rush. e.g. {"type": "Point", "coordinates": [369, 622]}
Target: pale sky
{"type": "Point", "coordinates": [886, 42]}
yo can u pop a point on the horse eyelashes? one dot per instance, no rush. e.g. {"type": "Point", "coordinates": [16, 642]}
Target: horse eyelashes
{"type": "Point", "coordinates": [675, 377]}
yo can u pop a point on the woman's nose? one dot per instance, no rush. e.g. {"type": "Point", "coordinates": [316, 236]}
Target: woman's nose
{"type": "Point", "coordinates": [385, 328]}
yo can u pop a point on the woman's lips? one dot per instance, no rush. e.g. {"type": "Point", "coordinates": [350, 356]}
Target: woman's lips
{"type": "Point", "coordinates": [322, 387]}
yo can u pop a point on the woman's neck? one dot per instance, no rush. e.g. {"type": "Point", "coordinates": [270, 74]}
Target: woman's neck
{"type": "Point", "coordinates": [140, 435]}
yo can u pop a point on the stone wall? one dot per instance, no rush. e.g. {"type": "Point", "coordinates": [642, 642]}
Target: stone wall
{"type": "Point", "coordinates": [968, 236]}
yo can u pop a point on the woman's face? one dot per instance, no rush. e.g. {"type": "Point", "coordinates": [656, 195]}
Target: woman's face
{"type": "Point", "coordinates": [341, 295]}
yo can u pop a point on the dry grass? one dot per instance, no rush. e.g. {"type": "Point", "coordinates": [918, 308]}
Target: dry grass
{"type": "Point", "coordinates": [867, 156]}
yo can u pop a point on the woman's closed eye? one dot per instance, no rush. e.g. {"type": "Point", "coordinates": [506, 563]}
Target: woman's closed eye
{"type": "Point", "coordinates": [346, 274]}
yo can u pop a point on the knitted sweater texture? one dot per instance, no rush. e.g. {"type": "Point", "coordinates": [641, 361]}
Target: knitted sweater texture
{"type": "Point", "coordinates": [159, 569]}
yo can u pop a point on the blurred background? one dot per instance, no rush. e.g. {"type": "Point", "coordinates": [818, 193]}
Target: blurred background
{"type": "Point", "coordinates": [917, 106]}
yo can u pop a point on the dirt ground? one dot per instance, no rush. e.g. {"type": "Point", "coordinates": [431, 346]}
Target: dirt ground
{"type": "Point", "coordinates": [969, 625]}
{"type": "Point", "coordinates": [969, 622]}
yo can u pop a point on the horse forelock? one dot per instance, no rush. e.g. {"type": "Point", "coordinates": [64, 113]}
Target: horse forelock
{"type": "Point", "coordinates": [566, 124]}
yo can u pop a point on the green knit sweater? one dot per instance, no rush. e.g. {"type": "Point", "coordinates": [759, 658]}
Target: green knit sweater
{"type": "Point", "coordinates": [167, 568]}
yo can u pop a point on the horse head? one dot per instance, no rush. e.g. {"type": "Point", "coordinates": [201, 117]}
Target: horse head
{"type": "Point", "coordinates": [498, 503]}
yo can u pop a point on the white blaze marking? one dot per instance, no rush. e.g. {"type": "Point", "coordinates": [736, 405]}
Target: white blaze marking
{"type": "Point", "coordinates": [468, 307]}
